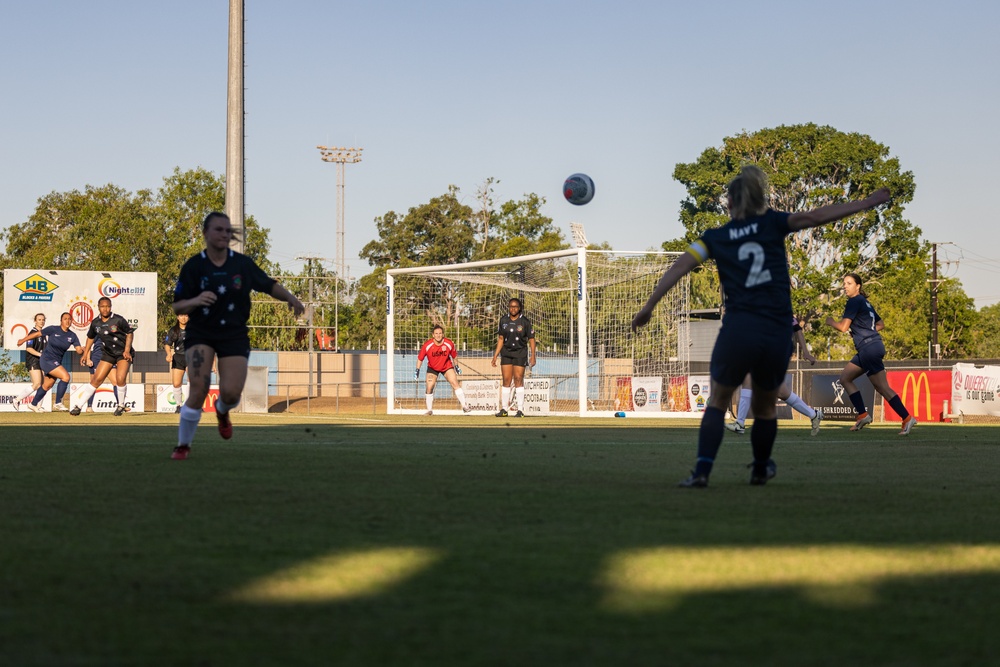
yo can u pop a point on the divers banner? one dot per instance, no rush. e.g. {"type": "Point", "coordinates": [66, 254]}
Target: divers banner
{"type": "Point", "coordinates": [975, 390]}
{"type": "Point", "coordinates": [28, 292]}
{"type": "Point", "coordinates": [922, 392]}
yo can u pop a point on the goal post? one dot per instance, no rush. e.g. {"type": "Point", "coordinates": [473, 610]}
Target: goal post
{"type": "Point", "coordinates": [580, 303]}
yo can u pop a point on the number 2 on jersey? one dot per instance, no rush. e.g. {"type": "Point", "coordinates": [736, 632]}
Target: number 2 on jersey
{"type": "Point", "coordinates": [758, 274]}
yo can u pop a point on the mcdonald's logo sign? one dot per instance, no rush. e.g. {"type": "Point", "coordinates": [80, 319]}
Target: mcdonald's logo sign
{"type": "Point", "coordinates": [921, 389]}
{"type": "Point", "coordinates": [922, 392]}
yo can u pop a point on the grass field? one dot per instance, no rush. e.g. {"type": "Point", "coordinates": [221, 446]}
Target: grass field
{"type": "Point", "coordinates": [478, 541]}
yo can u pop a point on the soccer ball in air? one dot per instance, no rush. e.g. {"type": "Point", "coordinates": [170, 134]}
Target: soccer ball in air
{"type": "Point", "coordinates": [578, 189]}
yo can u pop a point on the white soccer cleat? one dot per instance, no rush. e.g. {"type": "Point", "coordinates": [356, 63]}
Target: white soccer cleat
{"type": "Point", "coordinates": [34, 408]}
{"type": "Point", "coordinates": [816, 421]}
{"type": "Point", "coordinates": [61, 408]}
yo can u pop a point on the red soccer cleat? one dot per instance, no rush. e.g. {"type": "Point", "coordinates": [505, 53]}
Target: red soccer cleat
{"type": "Point", "coordinates": [181, 452]}
{"type": "Point", "coordinates": [225, 426]}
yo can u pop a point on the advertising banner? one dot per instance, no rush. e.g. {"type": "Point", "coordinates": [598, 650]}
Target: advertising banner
{"type": "Point", "coordinates": [104, 397]}
{"type": "Point", "coordinates": [922, 392]}
{"type": "Point", "coordinates": [27, 292]}
{"type": "Point", "coordinates": [699, 389]}
{"type": "Point", "coordinates": [623, 394]}
{"type": "Point", "coordinates": [482, 395]}
{"type": "Point", "coordinates": [829, 394]}
{"type": "Point", "coordinates": [165, 397]}
{"type": "Point", "coordinates": [646, 393]}
{"type": "Point", "coordinates": [974, 390]}
{"type": "Point", "coordinates": [10, 391]}
{"type": "Point", "coordinates": [537, 393]}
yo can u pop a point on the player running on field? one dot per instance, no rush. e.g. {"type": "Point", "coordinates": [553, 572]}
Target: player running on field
{"type": "Point", "coordinates": [214, 289]}
{"type": "Point", "coordinates": [440, 353]}
{"type": "Point", "coordinates": [116, 340]}
{"type": "Point", "coordinates": [755, 336]}
{"type": "Point", "coordinates": [173, 345]}
{"type": "Point", "coordinates": [864, 324]}
{"type": "Point", "coordinates": [58, 341]}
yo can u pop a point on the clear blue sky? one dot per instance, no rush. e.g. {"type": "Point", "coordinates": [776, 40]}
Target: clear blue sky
{"type": "Point", "coordinates": [453, 92]}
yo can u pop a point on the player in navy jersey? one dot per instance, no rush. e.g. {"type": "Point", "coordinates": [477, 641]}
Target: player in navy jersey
{"type": "Point", "coordinates": [864, 324]}
{"type": "Point", "coordinates": [755, 337]}
{"type": "Point", "coordinates": [33, 354]}
{"type": "Point", "coordinates": [173, 345]}
{"type": "Point", "coordinates": [116, 336]}
{"type": "Point", "coordinates": [214, 289]}
{"type": "Point", "coordinates": [516, 351]}
{"type": "Point", "coordinates": [440, 353]}
{"type": "Point", "coordinates": [58, 341]}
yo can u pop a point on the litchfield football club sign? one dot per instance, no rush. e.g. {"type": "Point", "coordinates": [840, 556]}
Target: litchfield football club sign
{"type": "Point", "coordinates": [28, 292]}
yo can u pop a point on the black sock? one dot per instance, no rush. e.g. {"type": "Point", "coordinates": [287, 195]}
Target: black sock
{"type": "Point", "coordinates": [713, 426]}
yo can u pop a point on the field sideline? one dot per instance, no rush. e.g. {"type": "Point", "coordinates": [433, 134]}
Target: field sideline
{"type": "Point", "coordinates": [385, 540]}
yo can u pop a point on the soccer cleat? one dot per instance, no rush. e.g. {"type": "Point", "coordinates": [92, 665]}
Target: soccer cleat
{"type": "Point", "coordinates": [428, 413]}
{"type": "Point", "coordinates": [816, 420]}
{"type": "Point", "coordinates": [502, 413]}
{"type": "Point", "coordinates": [75, 411]}
{"type": "Point", "coordinates": [467, 409]}
{"type": "Point", "coordinates": [694, 481]}
{"type": "Point", "coordinates": [736, 428]}
{"type": "Point", "coordinates": [518, 414]}
{"type": "Point", "coordinates": [61, 408]}
{"type": "Point", "coordinates": [90, 409]}
{"type": "Point", "coordinates": [864, 419]}
{"type": "Point", "coordinates": [225, 426]}
{"type": "Point", "coordinates": [34, 408]}
{"type": "Point", "coordinates": [770, 471]}
{"type": "Point", "coordinates": [16, 405]}
{"type": "Point", "coordinates": [119, 411]}
{"type": "Point", "coordinates": [181, 452]}
{"type": "Point", "coordinates": [908, 424]}
{"type": "Point", "coordinates": [177, 410]}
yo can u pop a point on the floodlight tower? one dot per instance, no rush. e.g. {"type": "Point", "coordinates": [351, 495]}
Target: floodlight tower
{"type": "Point", "coordinates": [579, 236]}
{"type": "Point", "coordinates": [340, 156]}
{"type": "Point", "coordinates": [235, 167]}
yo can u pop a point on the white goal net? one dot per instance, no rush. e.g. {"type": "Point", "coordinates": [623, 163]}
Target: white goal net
{"type": "Point", "coordinates": [569, 296]}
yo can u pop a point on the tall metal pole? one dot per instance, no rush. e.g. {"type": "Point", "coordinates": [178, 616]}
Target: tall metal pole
{"type": "Point", "coordinates": [235, 177]}
{"type": "Point", "coordinates": [935, 348]}
{"type": "Point", "coordinates": [340, 156]}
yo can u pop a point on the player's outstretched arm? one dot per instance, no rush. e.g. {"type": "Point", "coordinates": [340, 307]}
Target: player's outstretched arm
{"type": "Point", "coordinates": [279, 292]}
{"type": "Point", "coordinates": [825, 214]}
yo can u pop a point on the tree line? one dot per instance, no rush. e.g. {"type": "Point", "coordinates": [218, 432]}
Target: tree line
{"type": "Point", "coordinates": [107, 228]}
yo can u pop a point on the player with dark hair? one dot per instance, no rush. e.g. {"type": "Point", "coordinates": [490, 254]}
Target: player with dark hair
{"type": "Point", "coordinates": [173, 344]}
{"type": "Point", "coordinates": [440, 353]}
{"type": "Point", "coordinates": [116, 336]}
{"type": "Point", "coordinates": [516, 351]}
{"type": "Point", "coordinates": [33, 354]}
{"type": "Point", "coordinates": [214, 289]}
{"type": "Point", "coordinates": [785, 392]}
{"type": "Point", "coordinates": [58, 341]}
{"type": "Point", "coordinates": [865, 324]}
{"type": "Point", "coordinates": [755, 336]}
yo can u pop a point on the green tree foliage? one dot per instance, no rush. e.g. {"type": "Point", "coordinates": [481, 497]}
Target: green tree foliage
{"type": "Point", "coordinates": [809, 166]}
{"type": "Point", "coordinates": [107, 228]}
{"type": "Point", "coordinates": [986, 333]}
{"type": "Point", "coordinates": [445, 231]}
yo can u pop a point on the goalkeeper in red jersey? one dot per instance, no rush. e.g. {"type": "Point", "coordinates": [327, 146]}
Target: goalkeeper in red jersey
{"type": "Point", "coordinates": [440, 353]}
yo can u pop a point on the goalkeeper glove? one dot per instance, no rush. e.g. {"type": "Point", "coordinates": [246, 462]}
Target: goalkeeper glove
{"type": "Point", "coordinates": [458, 369]}
{"type": "Point", "coordinates": [416, 374]}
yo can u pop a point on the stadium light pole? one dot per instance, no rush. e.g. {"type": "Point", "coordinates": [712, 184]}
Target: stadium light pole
{"type": "Point", "coordinates": [235, 167]}
{"type": "Point", "coordinates": [340, 156]}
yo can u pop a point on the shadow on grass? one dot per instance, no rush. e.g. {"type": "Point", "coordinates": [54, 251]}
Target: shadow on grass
{"type": "Point", "coordinates": [493, 545]}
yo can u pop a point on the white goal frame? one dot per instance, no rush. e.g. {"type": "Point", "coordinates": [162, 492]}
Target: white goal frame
{"type": "Point", "coordinates": [399, 378]}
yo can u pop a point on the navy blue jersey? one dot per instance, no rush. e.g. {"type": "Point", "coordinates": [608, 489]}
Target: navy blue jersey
{"type": "Point", "coordinates": [57, 343]}
{"type": "Point", "coordinates": [515, 333]}
{"type": "Point", "coordinates": [112, 333]}
{"type": "Point", "coordinates": [753, 269]}
{"type": "Point", "coordinates": [231, 282]}
{"type": "Point", "coordinates": [863, 318]}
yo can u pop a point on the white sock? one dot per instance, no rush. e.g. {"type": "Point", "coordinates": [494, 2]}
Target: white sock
{"type": "Point", "coordinates": [504, 397]}
{"type": "Point", "coordinates": [796, 403]}
{"type": "Point", "coordinates": [178, 396]}
{"type": "Point", "coordinates": [122, 393]}
{"type": "Point", "coordinates": [429, 398]}
{"type": "Point", "coordinates": [743, 409]}
{"type": "Point", "coordinates": [82, 395]}
{"type": "Point", "coordinates": [519, 397]}
{"type": "Point", "coordinates": [189, 424]}
{"type": "Point", "coordinates": [26, 394]}
{"type": "Point", "coordinates": [460, 395]}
